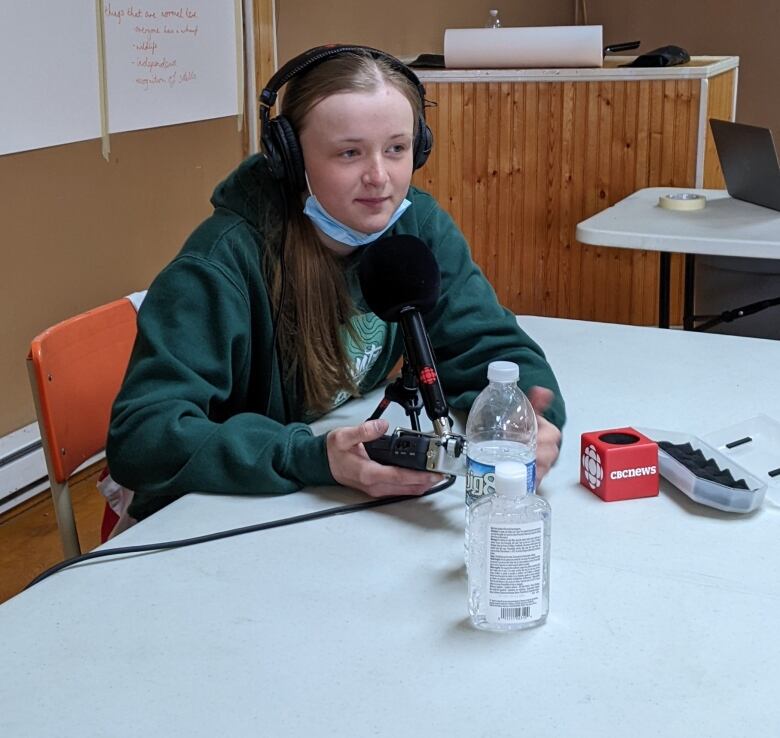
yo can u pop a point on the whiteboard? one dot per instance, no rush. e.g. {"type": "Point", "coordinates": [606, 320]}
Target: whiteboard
{"type": "Point", "coordinates": [165, 63]}
{"type": "Point", "coordinates": [168, 63]}
{"type": "Point", "coordinates": [49, 79]}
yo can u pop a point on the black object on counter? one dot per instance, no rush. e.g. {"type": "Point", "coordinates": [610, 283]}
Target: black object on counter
{"type": "Point", "coordinates": [625, 46]}
{"type": "Point", "coordinates": [704, 468]}
{"type": "Point", "coordinates": [428, 61]}
{"type": "Point", "coordinates": [664, 56]}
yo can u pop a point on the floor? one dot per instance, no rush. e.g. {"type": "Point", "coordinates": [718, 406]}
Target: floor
{"type": "Point", "coordinates": [29, 541]}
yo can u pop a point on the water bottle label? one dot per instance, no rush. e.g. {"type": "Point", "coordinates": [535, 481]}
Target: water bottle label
{"type": "Point", "coordinates": [515, 573]}
{"type": "Point", "coordinates": [481, 479]}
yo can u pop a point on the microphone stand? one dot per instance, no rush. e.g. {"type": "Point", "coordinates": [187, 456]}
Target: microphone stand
{"type": "Point", "coordinates": [413, 449]}
{"type": "Point", "coordinates": [402, 390]}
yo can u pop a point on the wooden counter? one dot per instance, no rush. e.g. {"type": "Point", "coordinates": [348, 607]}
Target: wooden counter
{"type": "Point", "coordinates": [521, 156]}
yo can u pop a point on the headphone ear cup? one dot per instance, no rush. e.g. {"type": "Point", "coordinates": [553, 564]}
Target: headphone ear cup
{"type": "Point", "coordinates": [272, 148]}
{"type": "Point", "coordinates": [291, 153]}
{"type": "Point", "coordinates": [283, 152]}
{"type": "Point", "coordinates": [423, 143]}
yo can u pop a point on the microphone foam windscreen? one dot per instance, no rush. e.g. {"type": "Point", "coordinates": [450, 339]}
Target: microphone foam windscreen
{"type": "Point", "coordinates": [398, 272]}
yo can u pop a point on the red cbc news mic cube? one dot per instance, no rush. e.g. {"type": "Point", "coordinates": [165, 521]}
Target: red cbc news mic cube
{"type": "Point", "coordinates": [619, 464]}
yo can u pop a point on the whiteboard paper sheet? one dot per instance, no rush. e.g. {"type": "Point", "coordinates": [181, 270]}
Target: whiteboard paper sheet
{"type": "Point", "coordinates": [169, 63]}
{"type": "Point", "coordinates": [49, 83]}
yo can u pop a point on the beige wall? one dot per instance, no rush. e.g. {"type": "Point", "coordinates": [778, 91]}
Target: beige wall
{"type": "Point", "coordinates": [79, 231]}
{"type": "Point", "coordinates": [403, 27]}
{"type": "Point", "coordinates": [748, 29]}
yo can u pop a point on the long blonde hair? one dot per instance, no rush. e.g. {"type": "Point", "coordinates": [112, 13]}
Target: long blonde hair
{"type": "Point", "coordinates": [317, 306]}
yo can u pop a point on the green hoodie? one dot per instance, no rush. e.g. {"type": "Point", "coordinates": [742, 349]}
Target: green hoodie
{"type": "Point", "coordinates": [203, 408]}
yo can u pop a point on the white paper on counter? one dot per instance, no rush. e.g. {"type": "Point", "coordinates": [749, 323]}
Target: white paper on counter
{"type": "Point", "coordinates": [545, 47]}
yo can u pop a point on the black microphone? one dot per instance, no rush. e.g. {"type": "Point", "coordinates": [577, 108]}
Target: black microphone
{"type": "Point", "coordinates": [400, 280]}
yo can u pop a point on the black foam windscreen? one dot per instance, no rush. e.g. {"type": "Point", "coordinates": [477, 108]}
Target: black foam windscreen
{"type": "Point", "coordinates": [398, 272]}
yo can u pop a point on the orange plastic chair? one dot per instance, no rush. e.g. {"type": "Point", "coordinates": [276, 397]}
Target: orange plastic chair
{"type": "Point", "coordinates": [76, 368]}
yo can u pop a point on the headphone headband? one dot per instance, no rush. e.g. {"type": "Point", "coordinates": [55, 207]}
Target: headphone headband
{"type": "Point", "coordinates": [280, 142]}
{"type": "Point", "coordinates": [317, 55]}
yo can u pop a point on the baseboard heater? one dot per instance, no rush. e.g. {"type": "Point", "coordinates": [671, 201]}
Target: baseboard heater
{"type": "Point", "coordinates": [22, 467]}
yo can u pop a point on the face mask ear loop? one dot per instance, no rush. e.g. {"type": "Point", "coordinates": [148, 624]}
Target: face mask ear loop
{"type": "Point", "coordinates": [308, 184]}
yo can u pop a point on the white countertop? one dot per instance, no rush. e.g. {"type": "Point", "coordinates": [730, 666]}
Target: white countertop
{"type": "Point", "coordinates": [725, 227]}
{"type": "Point", "coordinates": [663, 618]}
{"type": "Point", "coordinates": [700, 67]}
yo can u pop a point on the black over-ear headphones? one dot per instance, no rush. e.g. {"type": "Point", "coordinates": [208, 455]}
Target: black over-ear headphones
{"type": "Point", "coordinates": [280, 143]}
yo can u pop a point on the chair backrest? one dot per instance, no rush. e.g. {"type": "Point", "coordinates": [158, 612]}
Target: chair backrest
{"type": "Point", "coordinates": [76, 369]}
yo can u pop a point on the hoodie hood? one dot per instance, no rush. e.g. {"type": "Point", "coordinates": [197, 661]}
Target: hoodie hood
{"type": "Point", "coordinates": [247, 189]}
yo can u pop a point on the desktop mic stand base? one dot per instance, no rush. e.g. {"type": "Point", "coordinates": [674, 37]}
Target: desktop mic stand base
{"type": "Point", "coordinates": [403, 391]}
{"type": "Point", "coordinates": [413, 449]}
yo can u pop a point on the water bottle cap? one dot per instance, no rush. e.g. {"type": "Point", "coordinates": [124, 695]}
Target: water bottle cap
{"type": "Point", "coordinates": [511, 478]}
{"type": "Point", "coordinates": [503, 371]}
{"type": "Point", "coordinates": [493, 12]}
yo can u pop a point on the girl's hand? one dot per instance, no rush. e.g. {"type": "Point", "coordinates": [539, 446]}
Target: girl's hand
{"type": "Point", "coordinates": [548, 439]}
{"type": "Point", "coordinates": [350, 465]}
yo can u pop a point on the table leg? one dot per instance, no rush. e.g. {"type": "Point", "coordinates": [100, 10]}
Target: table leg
{"type": "Point", "coordinates": [664, 275]}
{"type": "Point", "coordinates": [688, 302]}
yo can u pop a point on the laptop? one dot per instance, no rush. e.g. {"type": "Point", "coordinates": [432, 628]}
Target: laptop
{"type": "Point", "coordinates": [749, 162]}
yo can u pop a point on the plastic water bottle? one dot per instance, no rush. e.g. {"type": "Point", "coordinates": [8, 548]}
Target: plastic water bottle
{"type": "Point", "coordinates": [501, 427]}
{"type": "Point", "coordinates": [493, 21]}
{"type": "Point", "coordinates": [509, 571]}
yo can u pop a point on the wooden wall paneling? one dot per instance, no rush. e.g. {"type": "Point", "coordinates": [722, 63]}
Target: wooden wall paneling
{"type": "Point", "coordinates": [518, 164]}
{"type": "Point", "coordinates": [654, 176]}
{"type": "Point", "coordinates": [551, 259]}
{"type": "Point", "coordinates": [674, 147]}
{"type": "Point", "coordinates": [491, 200]}
{"type": "Point", "coordinates": [540, 195]}
{"type": "Point", "coordinates": [628, 148]}
{"type": "Point", "coordinates": [480, 173]}
{"type": "Point", "coordinates": [426, 177]}
{"type": "Point", "coordinates": [443, 155]}
{"type": "Point", "coordinates": [590, 254]}
{"type": "Point", "coordinates": [567, 135]}
{"type": "Point", "coordinates": [506, 191]}
{"type": "Point", "coordinates": [601, 182]}
{"type": "Point", "coordinates": [694, 106]}
{"type": "Point", "coordinates": [640, 312]}
{"type": "Point", "coordinates": [620, 289]}
{"type": "Point", "coordinates": [719, 105]}
{"type": "Point", "coordinates": [519, 286]}
{"type": "Point", "coordinates": [667, 132]}
{"type": "Point", "coordinates": [455, 152]}
{"type": "Point", "coordinates": [469, 155]}
{"type": "Point", "coordinates": [622, 155]}
{"type": "Point", "coordinates": [656, 131]}
{"type": "Point", "coordinates": [618, 302]}
{"type": "Point", "coordinates": [527, 243]}
{"type": "Point", "coordinates": [685, 133]}
{"type": "Point", "coordinates": [683, 175]}
{"type": "Point", "coordinates": [580, 146]}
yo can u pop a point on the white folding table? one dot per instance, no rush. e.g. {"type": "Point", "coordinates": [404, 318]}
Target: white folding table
{"type": "Point", "coordinates": [725, 227]}
{"type": "Point", "coordinates": [663, 622]}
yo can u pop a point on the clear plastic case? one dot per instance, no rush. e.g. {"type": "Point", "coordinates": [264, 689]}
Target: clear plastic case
{"type": "Point", "coordinates": [750, 450]}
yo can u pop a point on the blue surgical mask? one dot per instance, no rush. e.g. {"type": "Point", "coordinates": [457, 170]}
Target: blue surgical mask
{"type": "Point", "coordinates": [343, 233]}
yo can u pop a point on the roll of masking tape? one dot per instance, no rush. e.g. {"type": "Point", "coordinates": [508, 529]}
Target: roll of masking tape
{"type": "Point", "coordinates": [682, 201]}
